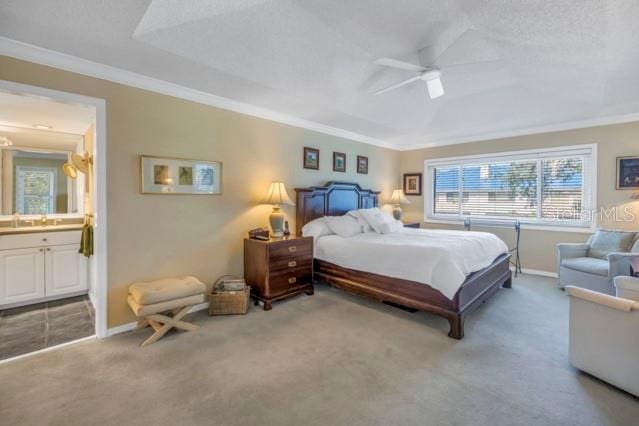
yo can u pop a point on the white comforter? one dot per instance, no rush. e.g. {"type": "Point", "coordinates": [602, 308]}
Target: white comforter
{"type": "Point", "coordinates": [442, 259]}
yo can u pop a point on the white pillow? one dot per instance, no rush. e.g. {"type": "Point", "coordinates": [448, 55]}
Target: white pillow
{"type": "Point", "coordinates": [344, 226]}
{"type": "Point", "coordinates": [376, 218]}
{"type": "Point", "coordinates": [394, 226]}
{"type": "Point", "coordinates": [316, 228]}
{"type": "Point", "coordinates": [362, 222]}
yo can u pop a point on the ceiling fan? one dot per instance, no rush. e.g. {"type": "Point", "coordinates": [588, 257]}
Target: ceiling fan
{"type": "Point", "coordinates": [430, 74]}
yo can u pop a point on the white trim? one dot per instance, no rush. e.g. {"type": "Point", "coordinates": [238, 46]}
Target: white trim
{"type": "Point", "coordinates": [52, 58]}
{"type": "Point", "coordinates": [39, 55]}
{"type": "Point", "coordinates": [537, 272]}
{"type": "Point", "coordinates": [130, 326]}
{"type": "Point", "coordinates": [49, 349]}
{"type": "Point", "coordinates": [99, 260]}
{"type": "Point", "coordinates": [588, 151]}
{"type": "Point", "coordinates": [124, 328]}
{"type": "Point", "coordinates": [536, 130]}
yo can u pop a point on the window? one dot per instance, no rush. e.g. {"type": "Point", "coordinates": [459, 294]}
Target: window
{"type": "Point", "coordinates": [35, 190]}
{"type": "Point", "coordinates": [548, 187]}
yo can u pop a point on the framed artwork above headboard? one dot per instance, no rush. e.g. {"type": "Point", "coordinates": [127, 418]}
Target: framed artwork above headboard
{"type": "Point", "coordinates": [332, 199]}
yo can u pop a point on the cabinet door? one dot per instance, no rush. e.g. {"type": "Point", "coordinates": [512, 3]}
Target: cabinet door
{"type": "Point", "coordinates": [65, 270]}
{"type": "Point", "coordinates": [21, 275]}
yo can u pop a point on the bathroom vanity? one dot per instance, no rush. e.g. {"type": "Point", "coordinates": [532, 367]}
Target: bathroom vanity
{"type": "Point", "coordinates": [41, 263]}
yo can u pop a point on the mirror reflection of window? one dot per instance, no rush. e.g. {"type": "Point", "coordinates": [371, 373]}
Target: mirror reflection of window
{"type": "Point", "coordinates": [34, 183]}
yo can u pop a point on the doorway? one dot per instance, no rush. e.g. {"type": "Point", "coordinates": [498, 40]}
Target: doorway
{"type": "Point", "coordinates": [52, 188]}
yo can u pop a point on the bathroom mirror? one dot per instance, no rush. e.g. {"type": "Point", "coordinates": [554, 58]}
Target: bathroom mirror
{"type": "Point", "coordinates": [33, 182]}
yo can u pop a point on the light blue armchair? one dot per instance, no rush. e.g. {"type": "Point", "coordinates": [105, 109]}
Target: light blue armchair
{"type": "Point", "coordinates": [594, 265]}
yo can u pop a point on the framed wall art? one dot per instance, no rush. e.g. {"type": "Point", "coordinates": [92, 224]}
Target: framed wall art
{"type": "Point", "coordinates": [339, 162]}
{"type": "Point", "coordinates": [628, 172]}
{"type": "Point", "coordinates": [180, 176]}
{"type": "Point", "coordinates": [362, 165]}
{"type": "Point", "coordinates": [412, 183]}
{"type": "Point", "coordinates": [311, 158]}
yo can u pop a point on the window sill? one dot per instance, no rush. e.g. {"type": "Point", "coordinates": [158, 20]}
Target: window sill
{"type": "Point", "coordinates": [525, 226]}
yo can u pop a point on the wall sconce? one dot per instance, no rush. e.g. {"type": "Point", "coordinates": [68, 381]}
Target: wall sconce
{"type": "Point", "coordinates": [79, 163]}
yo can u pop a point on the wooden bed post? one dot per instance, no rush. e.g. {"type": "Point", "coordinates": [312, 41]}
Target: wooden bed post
{"type": "Point", "coordinates": [456, 322]}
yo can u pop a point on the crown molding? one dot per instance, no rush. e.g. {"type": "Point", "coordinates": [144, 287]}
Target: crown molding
{"type": "Point", "coordinates": [550, 128]}
{"type": "Point", "coordinates": [43, 56]}
{"type": "Point", "coordinates": [39, 55]}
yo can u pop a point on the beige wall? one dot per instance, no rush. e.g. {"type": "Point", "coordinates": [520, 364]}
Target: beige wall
{"type": "Point", "coordinates": [538, 247]}
{"type": "Point", "coordinates": [151, 236]}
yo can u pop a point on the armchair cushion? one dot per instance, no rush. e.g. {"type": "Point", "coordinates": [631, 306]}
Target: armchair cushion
{"type": "Point", "coordinates": [589, 265]}
{"type": "Point", "coordinates": [606, 242]}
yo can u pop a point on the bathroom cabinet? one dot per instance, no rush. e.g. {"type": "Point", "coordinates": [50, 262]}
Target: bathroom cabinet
{"type": "Point", "coordinates": [41, 266]}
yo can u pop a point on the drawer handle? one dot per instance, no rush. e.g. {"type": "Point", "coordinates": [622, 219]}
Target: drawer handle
{"type": "Point", "coordinates": [292, 264]}
{"type": "Point", "coordinates": [292, 249]}
{"type": "Point", "coordinates": [41, 249]}
{"type": "Point", "coordinates": [292, 280]}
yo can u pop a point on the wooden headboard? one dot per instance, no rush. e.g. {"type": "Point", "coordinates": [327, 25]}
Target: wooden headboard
{"type": "Point", "coordinates": [333, 199]}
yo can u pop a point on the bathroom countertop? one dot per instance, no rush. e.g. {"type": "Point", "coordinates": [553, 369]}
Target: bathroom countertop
{"type": "Point", "coordinates": [34, 229]}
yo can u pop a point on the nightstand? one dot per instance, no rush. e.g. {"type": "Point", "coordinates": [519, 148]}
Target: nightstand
{"type": "Point", "coordinates": [278, 268]}
{"type": "Point", "coordinates": [412, 225]}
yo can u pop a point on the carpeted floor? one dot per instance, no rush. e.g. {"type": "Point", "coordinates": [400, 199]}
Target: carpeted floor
{"type": "Point", "coordinates": [328, 359]}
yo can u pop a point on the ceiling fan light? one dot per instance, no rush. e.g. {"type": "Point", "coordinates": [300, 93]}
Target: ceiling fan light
{"type": "Point", "coordinates": [435, 88]}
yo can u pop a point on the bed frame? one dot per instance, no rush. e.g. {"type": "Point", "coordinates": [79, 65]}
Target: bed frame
{"type": "Point", "coordinates": [337, 198]}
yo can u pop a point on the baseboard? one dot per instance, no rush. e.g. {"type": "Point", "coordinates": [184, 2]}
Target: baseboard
{"type": "Point", "coordinates": [537, 272]}
{"type": "Point", "coordinates": [130, 326]}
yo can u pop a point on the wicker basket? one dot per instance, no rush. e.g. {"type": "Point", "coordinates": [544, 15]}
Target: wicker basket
{"type": "Point", "coordinates": [229, 302]}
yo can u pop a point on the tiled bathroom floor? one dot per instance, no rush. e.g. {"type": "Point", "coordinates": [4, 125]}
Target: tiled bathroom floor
{"type": "Point", "coordinates": [31, 328]}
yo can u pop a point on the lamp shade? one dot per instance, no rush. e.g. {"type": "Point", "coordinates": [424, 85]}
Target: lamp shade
{"type": "Point", "coordinates": [277, 194]}
{"type": "Point", "coordinates": [398, 197]}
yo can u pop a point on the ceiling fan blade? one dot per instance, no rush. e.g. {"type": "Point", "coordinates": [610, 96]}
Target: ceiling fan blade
{"type": "Point", "coordinates": [394, 63]}
{"type": "Point", "coordinates": [400, 84]}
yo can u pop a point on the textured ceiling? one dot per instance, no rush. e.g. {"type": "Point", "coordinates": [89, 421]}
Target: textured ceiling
{"type": "Point", "coordinates": [533, 63]}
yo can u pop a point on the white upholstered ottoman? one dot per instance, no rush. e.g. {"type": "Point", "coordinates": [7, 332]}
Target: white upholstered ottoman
{"type": "Point", "coordinates": [163, 303]}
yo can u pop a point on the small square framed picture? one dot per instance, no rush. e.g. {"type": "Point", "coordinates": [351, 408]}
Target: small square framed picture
{"type": "Point", "coordinates": [339, 162]}
{"type": "Point", "coordinates": [362, 165]}
{"type": "Point", "coordinates": [311, 158]}
{"type": "Point", "coordinates": [628, 172]}
{"type": "Point", "coordinates": [412, 183]}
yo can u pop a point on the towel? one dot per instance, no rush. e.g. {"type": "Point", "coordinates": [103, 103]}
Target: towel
{"type": "Point", "coordinates": [86, 241]}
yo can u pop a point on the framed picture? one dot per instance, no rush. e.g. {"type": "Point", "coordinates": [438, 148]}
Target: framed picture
{"type": "Point", "coordinates": [412, 183]}
{"type": "Point", "coordinates": [311, 158]}
{"type": "Point", "coordinates": [180, 176]}
{"type": "Point", "coordinates": [362, 165]}
{"type": "Point", "coordinates": [628, 172]}
{"type": "Point", "coordinates": [339, 162]}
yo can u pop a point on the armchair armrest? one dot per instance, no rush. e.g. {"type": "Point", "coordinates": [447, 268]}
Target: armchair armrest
{"type": "Point", "coordinates": [613, 302]}
{"type": "Point", "coordinates": [620, 263]}
{"type": "Point", "coordinates": [566, 250]}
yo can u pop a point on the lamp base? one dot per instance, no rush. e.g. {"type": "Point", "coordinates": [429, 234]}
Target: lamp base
{"type": "Point", "coordinates": [397, 212]}
{"type": "Point", "coordinates": [276, 220]}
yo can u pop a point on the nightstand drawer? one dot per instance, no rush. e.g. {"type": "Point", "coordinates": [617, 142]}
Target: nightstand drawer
{"type": "Point", "coordinates": [295, 249]}
{"type": "Point", "coordinates": [285, 280]}
{"type": "Point", "coordinates": [289, 264]}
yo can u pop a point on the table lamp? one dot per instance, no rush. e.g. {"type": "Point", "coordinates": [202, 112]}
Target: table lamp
{"type": "Point", "coordinates": [276, 196]}
{"type": "Point", "coordinates": [398, 198]}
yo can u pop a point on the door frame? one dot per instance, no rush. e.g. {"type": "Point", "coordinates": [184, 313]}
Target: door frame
{"type": "Point", "coordinates": [98, 262]}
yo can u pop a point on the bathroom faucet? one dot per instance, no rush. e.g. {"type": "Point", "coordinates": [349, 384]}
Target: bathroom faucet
{"type": "Point", "coordinates": [44, 220]}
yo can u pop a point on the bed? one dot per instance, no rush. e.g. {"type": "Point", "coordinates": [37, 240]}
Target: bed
{"type": "Point", "coordinates": [338, 198]}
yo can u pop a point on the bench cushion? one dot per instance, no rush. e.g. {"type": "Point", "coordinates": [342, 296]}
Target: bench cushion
{"type": "Point", "coordinates": [144, 310]}
{"type": "Point", "coordinates": [167, 289]}
{"type": "Point", "coordinates": [589, 265]}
